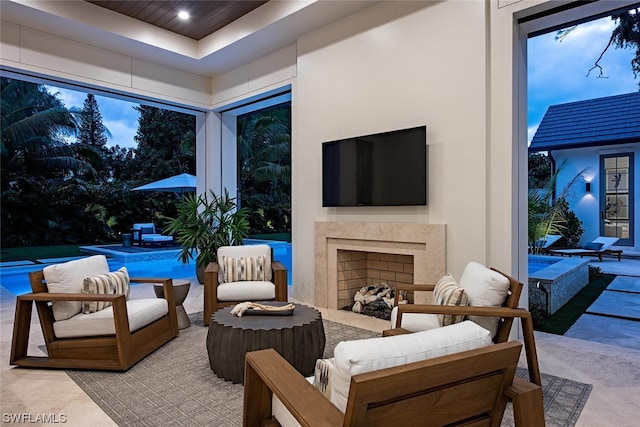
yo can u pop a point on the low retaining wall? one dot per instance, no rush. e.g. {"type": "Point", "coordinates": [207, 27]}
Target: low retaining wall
{"type": "Point", "coordinates": [553, 286]}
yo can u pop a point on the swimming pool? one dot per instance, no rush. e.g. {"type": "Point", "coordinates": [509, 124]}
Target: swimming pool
{"type": "Point", "coordinates": [157, 264]}
{"type": "Point", "coordinates": [534, 265]}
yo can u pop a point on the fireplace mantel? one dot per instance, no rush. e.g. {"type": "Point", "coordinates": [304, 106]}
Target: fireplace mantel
{"type": "Point", "coordinates": [425, 242]}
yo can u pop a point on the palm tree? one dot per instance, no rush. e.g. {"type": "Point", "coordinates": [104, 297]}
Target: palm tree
{"type": "Point", "coordinates": [34, 126]}
{"type": "Point", "coordinates": [264, 168]}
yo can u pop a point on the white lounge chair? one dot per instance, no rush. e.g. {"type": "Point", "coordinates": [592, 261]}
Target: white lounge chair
{"type": "Point", "coordinates": [146, 233]}
{"type": "Point", "coordinates": [542, 245]}
{"type": "Point", "coordinates": [597, 247]}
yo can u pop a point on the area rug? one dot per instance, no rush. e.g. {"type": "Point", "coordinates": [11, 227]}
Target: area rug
{"type": "Point", "coordinates": [176, 387]}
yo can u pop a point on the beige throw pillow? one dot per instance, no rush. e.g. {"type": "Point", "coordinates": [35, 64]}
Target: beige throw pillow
{"type": "Point", "coordinates": [110, 283]}
{"type": "Point", "coordinates": [244, 268]}
{"type": "Point", "coordinates": [448, 292]}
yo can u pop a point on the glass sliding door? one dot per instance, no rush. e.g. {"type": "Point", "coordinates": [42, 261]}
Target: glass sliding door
{"type": "Point", "coordinates": [616, 201]}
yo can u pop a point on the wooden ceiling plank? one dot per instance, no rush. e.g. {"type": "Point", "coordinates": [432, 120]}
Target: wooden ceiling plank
{"type": "Point", "coordinates": [206, 16]}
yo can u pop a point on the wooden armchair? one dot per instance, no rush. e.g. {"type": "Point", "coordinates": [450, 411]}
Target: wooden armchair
{"type": "Point", "coordinates": [505, 314]}
{"type": "Point", "coordinates": [467, 388]}
{"type": "Point", "coordinates": [220, 293]}
{"type": "Point", "coordinates": [116, 352]}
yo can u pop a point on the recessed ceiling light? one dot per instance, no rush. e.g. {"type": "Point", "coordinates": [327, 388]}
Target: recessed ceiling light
{"type": "Point", "coordinates": [183, 15]}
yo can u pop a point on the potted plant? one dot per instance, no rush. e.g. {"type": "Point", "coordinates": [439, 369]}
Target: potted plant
{"type": "Point", "coordinates": [204, 223]}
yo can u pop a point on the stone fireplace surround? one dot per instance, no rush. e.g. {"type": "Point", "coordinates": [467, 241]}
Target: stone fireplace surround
{"type": "Point", "coordinates": [425, 242]}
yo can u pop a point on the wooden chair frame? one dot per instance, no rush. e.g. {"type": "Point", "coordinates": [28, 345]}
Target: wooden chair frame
{"type": "Point", "coordinates": [467, 388]}
{"type": "Point", "coordinates": [113, 352]}
{"type": "Point", "coordinates": [506, 314]}
{"type": "Point", "coordinates": [211, 303]}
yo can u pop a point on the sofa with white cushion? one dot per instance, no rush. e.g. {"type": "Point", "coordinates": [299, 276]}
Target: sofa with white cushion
{"type": "Point", "coordinates": [396, 380]}
{"type": "Point", "coordinates": [88, 320]}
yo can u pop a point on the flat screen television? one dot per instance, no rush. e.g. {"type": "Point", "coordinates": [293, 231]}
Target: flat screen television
{"type": "Point", "coordinates": [384, 169]}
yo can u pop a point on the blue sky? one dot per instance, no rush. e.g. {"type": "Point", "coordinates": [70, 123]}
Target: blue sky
{"type": "Point", "coordinates": [557, 70]}
{"type": "Point", "coordinates": [556, 74]}
{"type": "Point", "coordinates": [117, 116]}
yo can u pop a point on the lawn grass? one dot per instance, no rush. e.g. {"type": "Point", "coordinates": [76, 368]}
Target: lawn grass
{"type": "Point", "coordinates": [560, 321]}
{"type": "Point", "coordinates": [33, 253]}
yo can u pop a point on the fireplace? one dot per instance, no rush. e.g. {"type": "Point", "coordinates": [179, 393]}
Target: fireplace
{"type": "Point", "coordinates": [357, 269]}
{"type": "Point", "coordinates": [423, 243]}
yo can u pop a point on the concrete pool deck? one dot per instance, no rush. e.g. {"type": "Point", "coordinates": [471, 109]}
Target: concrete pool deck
{"type": "Point", "coordinates": [614, 318]}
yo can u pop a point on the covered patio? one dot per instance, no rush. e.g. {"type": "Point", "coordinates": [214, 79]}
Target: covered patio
{"type": "Point", "coordinates": [350, 68]}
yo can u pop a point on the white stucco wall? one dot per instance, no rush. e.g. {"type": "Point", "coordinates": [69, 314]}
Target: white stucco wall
{"type": "Point", "coordinates": [398, 65]}
{"type": "Point", "coordinates": [380, 70]}
{"type": "Point", "coordinates": [44, 54]}
{"type": "Point", "coordinates": [585, 205]}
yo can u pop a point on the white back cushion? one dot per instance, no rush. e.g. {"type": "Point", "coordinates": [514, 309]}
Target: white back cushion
{"type": "Point", "coordinates": [485, 288]}
{"type": "Point", "coordinates": [360, 356]}
{"type": "Point", "coordinates": [140, 226]}
{"type": "Point", "coordinates": [68, 277]}
{"type": "Point", "coordinates": [253, 251]}
{"type": "Point", "coordinates": [607, 242]}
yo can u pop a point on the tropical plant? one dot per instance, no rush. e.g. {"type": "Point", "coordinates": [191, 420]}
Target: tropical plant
{"type": "Point", "coordinates": [204, 223]}
{"type": "Point", "coordinates": [264, 168]}
{"type": "Point", "coordinates": [163, 148]}
{"type": "Point", "coordinates": [34, 126]}
{"type": "Point", "coordinates": [549, 215]}
{"type": "Point", "coordinates": [540, 169]}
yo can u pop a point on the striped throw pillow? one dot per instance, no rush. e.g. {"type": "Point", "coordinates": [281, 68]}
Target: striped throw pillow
{"type": "Point", "coordinates": [110, 283]}
{"type": "Point", "coordinates": [323, 376]}
{"type": "Point", "coordinates": [244, 268]}
{"type": "Point", "coordinates": [448, 292]}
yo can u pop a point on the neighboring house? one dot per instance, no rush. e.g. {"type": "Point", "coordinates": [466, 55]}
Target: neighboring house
{"type": "Point", "coordinates": [600, 137]}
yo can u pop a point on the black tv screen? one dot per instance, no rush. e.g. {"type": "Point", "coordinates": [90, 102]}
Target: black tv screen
{"type": "Point", "coordinates": [384, 169]}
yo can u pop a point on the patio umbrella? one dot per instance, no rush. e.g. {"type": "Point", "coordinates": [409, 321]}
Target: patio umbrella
{"type": "Point", "coordinates": [178, 184]}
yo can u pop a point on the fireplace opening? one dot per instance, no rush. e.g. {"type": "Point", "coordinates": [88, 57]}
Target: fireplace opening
{"type": "Point", "coordinates": [366, 280]}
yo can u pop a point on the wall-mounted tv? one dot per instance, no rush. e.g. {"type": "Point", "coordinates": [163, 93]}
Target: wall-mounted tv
{"type": "Point", "coordinates": [384, 169]}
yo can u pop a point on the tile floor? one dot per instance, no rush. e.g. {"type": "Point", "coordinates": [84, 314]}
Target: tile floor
{"type": "Point", "coordinates": [613, 370]}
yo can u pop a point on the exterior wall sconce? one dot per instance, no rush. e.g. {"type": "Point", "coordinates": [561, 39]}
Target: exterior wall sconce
{"type": "Point", "coordinates": [588, 187]}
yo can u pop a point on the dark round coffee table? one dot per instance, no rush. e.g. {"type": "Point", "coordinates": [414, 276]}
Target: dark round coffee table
{"type": "Point", "coordinates": [299, 338]}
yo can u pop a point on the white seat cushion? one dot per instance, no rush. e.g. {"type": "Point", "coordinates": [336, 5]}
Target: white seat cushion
{"type": "Point", "coordinates": [485, 288]}
{"type": "Point", "coordinates": [140, 312]}
{"type": "Point", "coordinates": [156, 238]}
{"type": "Point", "coordinates": [69, 277]}
{"type": "Point", "coordinates": [416, 322]}
{"type": "Point", "coordinates": [249, 290]}
{"type": "Point", "coordinates": [280, 413]}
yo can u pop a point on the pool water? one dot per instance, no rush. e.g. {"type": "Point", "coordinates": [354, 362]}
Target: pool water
{"type": "Point", "coordinates": [16, 279]}
{"type": "Point", "coordinates": [535, 265]}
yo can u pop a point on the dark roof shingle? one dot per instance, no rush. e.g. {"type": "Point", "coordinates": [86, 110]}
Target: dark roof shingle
{"type": "Point", "coordinates": [601, 121]}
